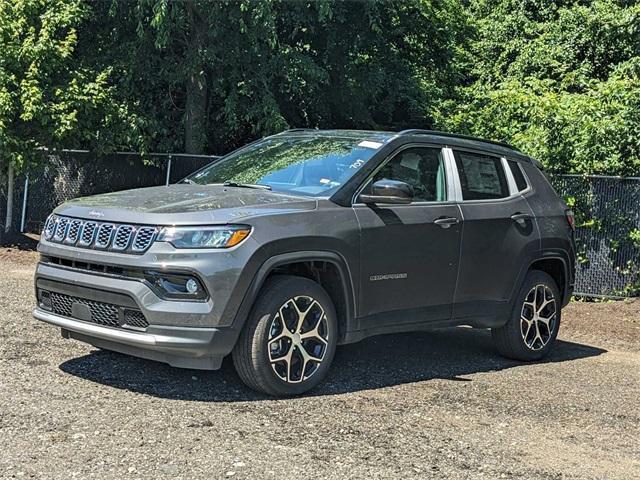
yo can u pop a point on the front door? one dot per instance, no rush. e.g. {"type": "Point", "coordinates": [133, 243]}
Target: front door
{"type": "Point", "coordinates": [409, 253]}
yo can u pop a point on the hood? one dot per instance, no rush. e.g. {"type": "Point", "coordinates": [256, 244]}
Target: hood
{"type": "Point", "coordinates": [183, 205]}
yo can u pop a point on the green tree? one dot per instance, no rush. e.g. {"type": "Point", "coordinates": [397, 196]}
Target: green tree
{"type": "Point", "coordinates": [561, 80]}
{"type": "Point", "coordinates": [48, 97]}
{"type": "Point", "coordinates": [208, 76]}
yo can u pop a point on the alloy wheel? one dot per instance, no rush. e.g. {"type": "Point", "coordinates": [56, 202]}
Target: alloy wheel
{"type": "Point", "coordinates": [538, 317]}
{"type": "Point", "coordinates": [298, 339]}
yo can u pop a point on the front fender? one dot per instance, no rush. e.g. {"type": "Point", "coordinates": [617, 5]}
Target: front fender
{"type": "Point", "coordinates": [257, 271]}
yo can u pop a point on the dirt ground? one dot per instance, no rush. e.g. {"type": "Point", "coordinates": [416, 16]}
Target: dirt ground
{"type": "Point", "coordinates": [441, 404]}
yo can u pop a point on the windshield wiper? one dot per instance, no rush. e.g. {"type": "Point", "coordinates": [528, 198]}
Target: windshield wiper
{"type": "Point", "coordinates": [189, 181]}
{"type": "Point", "coordinates": [229, 183]}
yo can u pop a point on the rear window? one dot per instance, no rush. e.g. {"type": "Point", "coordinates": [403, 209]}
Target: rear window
{"type": "Point", "coordinates": [481, 176]}
{"type": "Point", "coordinates": [518, 176]}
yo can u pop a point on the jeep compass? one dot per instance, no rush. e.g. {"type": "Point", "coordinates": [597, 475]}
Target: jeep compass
{"type": "Point", "coordinates": [302, 241]}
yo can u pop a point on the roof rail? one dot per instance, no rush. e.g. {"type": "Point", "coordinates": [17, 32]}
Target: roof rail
{"type": "Point", "coordinates": [417, 131]}
{"type": "Point", "coordinates": [297, 130]}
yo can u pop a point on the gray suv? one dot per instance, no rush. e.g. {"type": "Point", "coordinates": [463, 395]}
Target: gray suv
{"type": "Point", "coordinates": [309, 239]}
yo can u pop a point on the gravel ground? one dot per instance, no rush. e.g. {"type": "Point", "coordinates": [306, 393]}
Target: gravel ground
{"type": "Point", "coordinates": [439, 404]}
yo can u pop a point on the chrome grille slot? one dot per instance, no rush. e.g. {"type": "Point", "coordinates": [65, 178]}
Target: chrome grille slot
{"type": "Point", "coordinates": [73, 232]}
{"type": "Point", "coordinates": [50, 227]}
{"type": "Point", "coordinates": [88, 234]}
{"type": "Point", "coordinates": [61, 229]}
{"type": "Point", "coordinates": [122, 237]}
{"type": "Point", "coordinates": [144, 237]}
{"type": "Point", "coordinates": [125, 238]}
{"type": "Point", "coordinates": [104, 235]}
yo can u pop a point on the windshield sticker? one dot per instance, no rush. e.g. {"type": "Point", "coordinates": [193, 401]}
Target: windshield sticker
{"type": "Point", "coordinates": [369, 144]}
{"type": "Point", "coordinates": [357, 164]}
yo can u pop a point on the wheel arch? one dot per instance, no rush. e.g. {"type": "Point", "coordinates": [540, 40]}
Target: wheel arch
{"type": "Point", "coordinates": [308, 264]}
{"type": "Point", "coordinates": [556, 268]}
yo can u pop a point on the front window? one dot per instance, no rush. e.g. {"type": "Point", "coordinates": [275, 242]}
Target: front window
{"type": "Point", "coordinates": [422, 168]}
{"type": "Point", "coordinates": [313, 165]}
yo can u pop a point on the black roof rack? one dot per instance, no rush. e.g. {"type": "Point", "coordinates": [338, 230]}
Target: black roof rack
{"type": "Point", "coordinates": [417, 131]}
{"type": "Point", "coordinates": [298, 130]}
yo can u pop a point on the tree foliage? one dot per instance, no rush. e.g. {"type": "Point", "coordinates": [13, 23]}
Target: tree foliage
{"type": "Point", "coordinates": [227, 71]}
{"type": "Point", "coordinates": [559, 79]}
{"type": "Point", "coordinates": [48, 96]}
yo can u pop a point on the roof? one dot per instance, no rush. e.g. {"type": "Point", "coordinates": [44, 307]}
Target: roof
{"type": "Point", "coordinates": [452, 139]}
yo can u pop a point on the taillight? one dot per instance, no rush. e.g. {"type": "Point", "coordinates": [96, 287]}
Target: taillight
{"type": "Point", "coordinates": [570, 219]}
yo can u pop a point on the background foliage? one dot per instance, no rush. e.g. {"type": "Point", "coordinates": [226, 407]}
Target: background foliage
{"type": "Point", "coordinates": [559, 79]}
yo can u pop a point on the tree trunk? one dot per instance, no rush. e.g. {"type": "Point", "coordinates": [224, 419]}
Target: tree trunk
{"type": "Point", "coordinates": [195, 121]}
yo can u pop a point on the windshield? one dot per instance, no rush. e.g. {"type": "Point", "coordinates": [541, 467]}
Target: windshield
{"type": "Point", "coordinates": [307, 165]}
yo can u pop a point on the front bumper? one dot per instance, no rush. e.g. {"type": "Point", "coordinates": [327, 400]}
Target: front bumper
{"type": "Point", "coordinates": [185, 347]}
{"type": "Point", "coordinates": [180, 333]}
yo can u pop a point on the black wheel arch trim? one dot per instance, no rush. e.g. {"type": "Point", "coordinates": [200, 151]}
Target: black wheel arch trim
{"type": "Point", "coordinates": [558, 255]}
{"type": "Point", "coordinates": [292, 257]}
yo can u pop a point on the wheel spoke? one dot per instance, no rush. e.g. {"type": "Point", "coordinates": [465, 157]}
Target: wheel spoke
{"type": "Point", "coordinates": [287, 363]}
{"type": "Point", "coordinates": [528, 323]}
{"type": "Point", "coordinates": [284, 331]}
{"type": "Point", "coordinates": [302, 315]}
{"type": "Point", "coordinates": [282, 355]}
{"type": "Point", "coordinates": [538, 336]}
{"type": "Point", "coordinates": [544, 305]}
{"type": "Point", "coordinates": [307, 356]}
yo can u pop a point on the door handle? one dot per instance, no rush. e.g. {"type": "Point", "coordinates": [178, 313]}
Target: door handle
{"type": "Point", "coordinates": [520, 217]}
{"type": "Point", "coordinates": [446, 222]}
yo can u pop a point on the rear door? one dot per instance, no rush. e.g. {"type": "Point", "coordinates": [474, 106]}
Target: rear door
{"type": "Point", "coordinates": [499, 235]}
{"type": "Point", "coordinates": [409, 253]}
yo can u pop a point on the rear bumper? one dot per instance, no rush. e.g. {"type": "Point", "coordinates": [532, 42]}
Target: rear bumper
{"type": "Point", "coordinates": [185, 347]}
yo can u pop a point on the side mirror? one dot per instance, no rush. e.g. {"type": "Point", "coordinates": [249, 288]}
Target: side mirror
{"type": "Point", "coordinates": [389, 191]}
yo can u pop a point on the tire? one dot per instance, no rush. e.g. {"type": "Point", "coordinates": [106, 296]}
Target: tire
{"type": "Point", "coordinates": [272, 359]}
{"type": "Point", "coordinates": [526, 336]}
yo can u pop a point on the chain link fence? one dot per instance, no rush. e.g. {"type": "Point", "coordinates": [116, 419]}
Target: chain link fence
{"type": "Point", "coordinates": [607, 209]}
{"type": "Point", "coordinates": [69, 174]}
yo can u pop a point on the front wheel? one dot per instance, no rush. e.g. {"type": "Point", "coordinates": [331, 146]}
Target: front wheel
{"type": "Point", "coordinates": [531, 331]}
{"type": "Point", "coordinates": [289, 340]}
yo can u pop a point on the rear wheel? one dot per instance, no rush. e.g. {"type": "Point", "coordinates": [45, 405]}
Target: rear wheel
{"type": "Point", "coordinates": [289, 340]}
{"type": "Point", "coordinates": [531, 331]}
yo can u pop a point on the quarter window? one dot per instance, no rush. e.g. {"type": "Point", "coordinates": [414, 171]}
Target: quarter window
{"type": "Point", "coordinates": [481, 176]}
{"type": "Point", "coordinates": [422, 168]}
{"type": "Point", "coordinates": [518, 176]}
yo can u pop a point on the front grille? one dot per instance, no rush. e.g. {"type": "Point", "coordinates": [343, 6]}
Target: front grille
{"type": "Point", "coordinates": [73, 232]}
{"type": "Point", "coordinates": [144, 236]}
{"type": "Point", "coordinates": [123, 235]}
{"type": "Point", "coordinates": [50, 227]}
{"type": "Point", "coordinates": [104, 235]}
{"type": "Point", "coordinates": [122, 238]}
{"type": "Point", "coordinates": [88, 234]}
{"type": "Point", "coordinates": [61, 229]}
{"type": "Point", "coordinates": [106, 314]}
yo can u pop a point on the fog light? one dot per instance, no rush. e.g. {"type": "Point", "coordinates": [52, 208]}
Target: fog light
{"type": "Point", "coordinates": [192, 286]}
{"type": "Point", "coordinates": [175, 286]}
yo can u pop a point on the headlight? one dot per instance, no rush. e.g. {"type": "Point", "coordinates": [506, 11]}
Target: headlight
{"type": "Point", "coordinates": [204, 237]}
